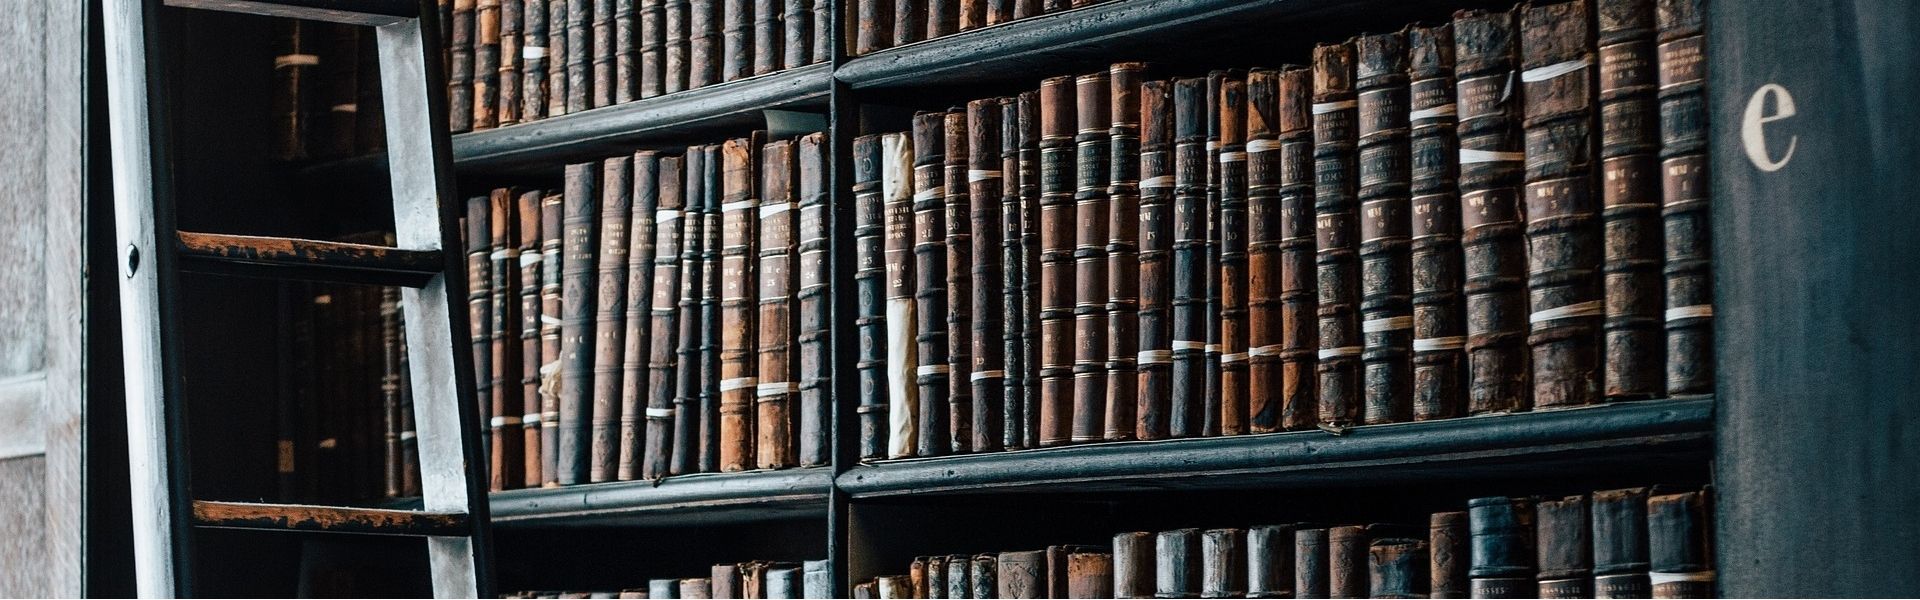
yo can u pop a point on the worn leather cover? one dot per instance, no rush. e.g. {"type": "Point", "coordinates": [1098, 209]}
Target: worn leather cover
{"type": "Point", "coordinates": [1270, 561]}
{"type": "Point", "coordinates": [580, 57]}
{"type": "Point", "coordinates": [1155, 348]}
{"type": "Point", "coordinates": [1187, 406]}
{"type": "Point", "coordinates": [1133, 564]}
{"type": "Point", "coordinates": [610, 315]}
{"type": "Point", "coordinates": [688, 368]}
{"type": "Point", "coordinates": [507, 82]}
{"type": "Point", "coordinates": [1347, 556]}
{"type": "Point", "coordinates": [486, 64]}
{"type": "Point", "coordinates": [1685, 203]}
{"type": "Point", "coordinates": [895, 587]}
{"type": "Point", "coordinates": [1022, 574]}
{"type": "Point", "coordinates": [782, 580]}
{"type": "Point", "coordinates": [874, 29]}
{"type": "Point", "coordinates": [505, 440]}
{"type": "Point", "coordinates": [1212, 398]}
{"type": "Point", "coordinates": [1177, 564]}
{"type": "Point", "coordinates": [676, 61]}
{"type": "Point", "coordinates": [1502, 531]}
{"type": "Point", "coordinates": [1299, 270]}
{"type": "Point", "coordinates": [1679, 534]}
{"type": "Point", "coordinates": [1123, 250]}
{"type": "Point", "coordinates": [739, 217]}
{"type": "Point", "coordinates": [663, 588]}
{"type": "Point", "coordinates": [603, 69]}
{"type": "Point", "coordinates": [1223, 563]}
{"type": "Point", "coordinates": [1565, 549]}
{"type": "Point", "coordinates": [1336, 212]}
{"type": "Point", "coordinates": [1068, 567]}
{"type": "Point", "coordinates": [552, 244]}
{"type": "Point", "coordinates": [662, 344]}
{"type": "Point", "coordinates": [712, 304]}
{"type": "Point", "coordinates": [1310, 569]}
{"type": "Point", "coordinates": [987, 373]}
{"type": "Point", "coordinates": [799, 27]}
{"type": "Point", "coordinates": [535, 59]}
{"type": "Point", "coordinates": [870, 290]}
{"type": "Point", "coordinates": [943, 18]}
{"type": "Point", "coordinates": [815, 366]}
{"type": "Point", "coordinates": [1635, 350]}
{"type": "Point", "coordinates": [1230, 242]}
{"type": "Point", "coordinates": [909, 21]}
{"type": "Point", "coordinates": [697, 588]}
{"type": "Point", "coordinates": [959, 585]}
{"type": "Point", "coordinates": [1386, 293]}
{"type": "Point", "coordinates": [531, 263]}
{"type": "Point", "coordinates": [1056, 230]}
{"type": "Point", "coordinates": [725, 581]}
{"type": "Point", "coordinates": [1264, 330]}
{"type": "Point", "coordinates": [1620, 558]}
{"type": "Point", "coordinates": [651, 49]}
{"type": "Point", "coordinates": [703, 42]}
{"type": "Point", "coordinates": [578, 281]}
{"type": "Point", "coordinates": [460, 47]}
{"type": "Point", "coordinates": [1089, 575]}
{"type": "Point", "coordinates": [1491, 159]}
{"type": "Point", "coordinates": [557, 33]}
{"type": "Point", "coordinates": [958, 204]}
{"type": "Point", "coordinates": [1397, 568]}
{"type": "Point", "coordinates": [1013, 281]}
{"type": "Point", "coordinates": [930, 290]}
{"type": "Point", "coordinates": [737, 39]}
{"type": "Point", "coordinates": [1448, 554]}
{"type": "Point", "coordinates": [818, 576]}
{"type": "Point", "coordinates": [1564, 244]}
{"type": "Point", "coordinates": [982, 576]}
{"type": "Point", "coordinates": [903, 391]}
{"type": "Point", "coordinates": [1439, 310]}
{"type": "Point", "coordinates": [776, 388]}
{"type": "Point", "coordinates": [1092, 111]}
{"type": "Point", "coordinates": [478, 238]}
{"type": "Point", "coordinates": [1028, 124]}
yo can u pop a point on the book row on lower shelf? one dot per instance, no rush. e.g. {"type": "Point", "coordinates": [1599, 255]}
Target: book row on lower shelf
{"type": "Point", "coordinates": [757, 579]}
{"type": "Point", "coordinates": [1625, 543]}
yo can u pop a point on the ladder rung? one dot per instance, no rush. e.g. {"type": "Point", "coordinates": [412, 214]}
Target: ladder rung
{"type": "Point", "coordinates": [330, 519]}
{"type": "Point", "coordinates": [361, 12]}
{"type": "Point", "coordinates": [308, 259]}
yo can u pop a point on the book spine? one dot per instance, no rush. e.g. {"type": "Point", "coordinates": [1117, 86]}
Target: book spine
{"type": "Point", "coordinates": [1056, 226]}
{"type": "Point", "coordinates": [725, 581]}
{"type": "Point", "coordinates": [1448, 555]}
{"type": "Point", "coordinates": [1335, 229]}
{"type": "Point", "coordinates": [1189, 253]}
{"type": "Point", "coordinates": [626, 51]}
{"type": "Point", "coordinates": [982, 574]}
{"type": "Point", "coordinates": [479, 313]}
{"type": "Point", "coordinates": [460, 49]}
{"type": "Point", "coordinates": [1680, 558]}
{"type": "Point", "coordinates": [819, 580]}
{"type": "Point", "coordinates": [1502, 548]}
{"type": "Point", "coordinates": [552, 258]}
{"type": "Point", "coordinates": [736, 45]}
{"type": "Point", "coordinates": [581, 50]}
{"type": "Point", "coordinates": [816, 311]}
{"type": "Point", "coordinates": [934, 581]}
{"type": "Point", "coordinates": [486, 64]}
{"type": "Point", "coordinates": [1439, 319]}
{"type": "Point", "coordinates": [1155, 352]}
{"type": "Point", "coordinates": [1028, 106]}
{"type": "Point", "coordinates": [774, 390]}
{"type": "Point", "coordinates": [293, 67]}
{"type": "Point", "coordinates": [712, 307]}
{"type": "Point", "coordinates": [393, 465]}
{"type": "Point", "coordinates": [1230, 236]}
{"type": "Point", "coordinates": [1347, 561]}
{"type": "Point", "coordinates": [664, 308]}
{"type": "Point", "coordinates": [1177, 564]}
{"type": "Point", "coordinates": [1386, 295]}
{"type": "Point", "coordinates": [1212, 405]}
{"type": "Point", "coordinates": [504, 426]}
{"type": "Point", "coordinates": [738, 215]}
{"type": "Point", "coordinates": [959, 585]}
{"type": "Point", "coordinates": [1635, 350]}
{"type": "Point", "coordinates": [874, 28]}
{"type": "Point", "coordinates": [1492, 242]}
{"type": "Point", "coordinates": [1223, 563]}
{"type": "Point", "coordinates": [1397, 568]}
{"type": "Point", "coordinates": [1092, 218]}
{"type": "Point", "coordinates": [959, 257]}
{"type": "Point", "coordinates": [799, 27]}
{"type": "Point", "coordinates": [1054, 6]}
{"type": "Point", "coordinates": [337, 94]}
{"type": "Point", "coordinates": [769, 31]}
{"type": "Point", "coordinates": [512, 28]}
{"type": "Point", "coordinates": [1299, 254]}
{"type": "Point", "coordinates": [602, 30]}
{"type": "Point", "coordinates": [1565, 550]}
{"type": "Point", "coordinates": [909, 21]}
{"type": "Point", "coordinates": [688, 372]}
{"type": "Point", "coordinates": [676, 32]}
{"type": "Point", "coordinates": [1060, 580]}
{"type": "Point", "coordinates": [1564, 233]}
{"type": "Point", "coordinates": [999, 11]}
{"type": "Point", "coordinates": [652, 49]}
{"type": "Point", "coordinates": [557, 56]}
{"type": "Point", "coordinates": [636, 389]}
{"type": "Point", "coordinates": [1090, 575]}
{"type": "Point", "coordinates": [1264, 374]}
{"type": "Point", "coordinates": [1025, 8]}
{"type": "Point", "coordinates": [1123, 251]}
{"type": "Point", "coordinates": [1013, 265]}
{"type": "Point", "coordinates": [578, 272]}
{"type": "Point", "coordinates": [870, 289]}
{"type": "Point", "coordinates": [823, 35]}
{"type": "Point", "coordinates": [1270, 561]}
{"type": "Point", "coordinates": [930, 273]}
{"type": "Point", "coordinates": [703, 43]}
{"type": "Point", "coordinates": [1686, 209]}
{"type": "Point", "coordinates": [609, 302]}
{"type": "Point", "coordinates": [973, 14]}
{"type": "Point", "coordinates": [987, 374]}
{"type": "Point", "coordinates": [1020, 575]}
{"type": "Point", "coordinates": [903, 359]}
{"type": "Point", "coordinates": [943, 18]}
{"type": "Point", "coordinates": [1310, 563]}
{"type": "Point", "coordinates": [1620, 544]}
{"type": "Point", "coordinates": [1133, 565]}
{"type": "Point", "coordinates": [534, 56]}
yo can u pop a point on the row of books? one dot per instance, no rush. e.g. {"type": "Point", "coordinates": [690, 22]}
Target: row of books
{"type": "Point", "coordinates": [513, 61]}
{"type": "Point", "coordinates": [883, 24]}
{"type": "Point", "coordinates": [1627, 543]}
{"type": "Point", "coordinates": [1452, 219]}
{"type": "Point", "coordinates": [757, 579]}
{"type": "Point", "coordinates": [326, 91]}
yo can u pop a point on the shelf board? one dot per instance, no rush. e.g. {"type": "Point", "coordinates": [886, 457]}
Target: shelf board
{"type": "Point", "coordinates": [1534, 443]}
{"type": "Point", "coordinates": [701, 499]}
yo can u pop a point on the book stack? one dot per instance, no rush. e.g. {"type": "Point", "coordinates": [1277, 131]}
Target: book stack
{"type": "Point", "coordinates": [754, 579]}
{"type": "Point", "coordinates": [325, 93]}
{"type": "Point", "coordinates": [884, 24]}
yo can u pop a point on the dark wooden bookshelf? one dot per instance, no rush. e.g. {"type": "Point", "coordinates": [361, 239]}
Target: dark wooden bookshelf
{"type": "Point", "coordinates": [700, 499]}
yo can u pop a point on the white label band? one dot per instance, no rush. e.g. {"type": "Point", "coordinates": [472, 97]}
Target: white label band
{"type": "Point", "coordinates": [1341, 352]}
{"type": "Point", "coordinates": [1186, 345]}
{"type": "Point", "coordinates": [531, 258]}
{"type": "Point", "coordinates": [981, 174]}
{"type": "Point", "coordinates": [1584, 309]}
{"type": "Point", "coordinates": [1233, 357]}
{"type": "Point", "coordinates": [346, 108]}
{"type": "Point", "coordinates": [1233, 157]}
{"type": "Point", "coordinates": [1258, 146]}
{"type": "Point", "coordinates": [533, 52]}
{"type": "Point", "coordinates": [1155, 357]}
{"type": "Point", "coordinates": [295, 60]}
{"type": "Point", "coordinates": [665, 215]}
{"type": "Point", "coordinates": [1157, 181]}
{"type": "Point", "coordinates": [1440, 343]}
{"type": "Point", "coordinates": [1327, 107]}
{"type": "Point", "coordinates": [664, 413]}
{"type": "Point", "coordinates": [739, 205]}
{"type": "Point", "coordinates": [408, 435]}
{"type": "Point", "coordinates": [985, 375]}
{"type": "Point", "coordinates": [927, 194]}
{"type": "Point", "coordinates": [1444, 110]}
{"type": "Point", "coordinates": [504, 253]}
{"type": "Point", "coordinates": [1694, 577]}
{"type": "Point", "coordinates": [1697, 311]}
{"type": "Point", "coordinates": [768, 210]}
{"type": "Point", "coordinates": [1386, 324]}
{"type": "Point", "coordinates": [927, 370]}
{"type": "Point", "coordinates": [504, 421]}
{"type": "Point", "coordinates": [1468, 157]}
{"type": "Point", "coordinates": [774, 389]}
{"type": "Point", "coordinates": [1268, 350]}
{"type": "Point", "coordinates": [736, 383]}
{"type": "Point", "coordinates": [1539, 74]}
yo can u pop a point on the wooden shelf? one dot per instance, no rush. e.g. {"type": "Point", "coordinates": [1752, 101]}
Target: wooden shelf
{"type": "Point", "coordinates": [701, 499]}
{"type": "Point", "coordinates": [1544, 443]}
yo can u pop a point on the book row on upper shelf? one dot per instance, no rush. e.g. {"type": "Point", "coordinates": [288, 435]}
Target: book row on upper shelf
{"type": "Point", "coordinates": [756, 579]}
{"type": "Point", "coordinates": [882, 24]}
{"type": "Point", "coordinates": [326, 91]}
{"type": "Point", "coordinates": [1626, 543]}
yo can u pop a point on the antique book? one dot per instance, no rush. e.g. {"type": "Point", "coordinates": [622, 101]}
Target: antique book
{"type": "Point", "coordinates": [1154, 351]}
{"type": "Point", "coordinates": [1680, 559]}
{"type": "Point", "coordinates": [663, 588]}
{"type": "Point", "coordinates": [713, 305]}
{"type": "Point", "coordinates": [337, 93]}
{"type": "Point", "coordinates": [535, 30]}
{"type": "Point", "coordinates": [651, 48]}
{"type": "Point", "coordinates": [822, 32]}
{"type": "Point", "coordinates": [815, 364]}
{"type": "Point", "coordinates": [1502, 543]}
{"type": "Point", "coordinates": [1685, 208]}
{"type": "Point", "coordinates": [1053, 6]}
{"type": "Point", "coordinates": [783, 581]}
{"type": "Point", "coordinates": [1133, 564]}
{"type": "Point", "coordinates": [1397, 568]}
{"type": "Point", "coordinates": [769, 31]}
{"type": "Point", "coordinates": [293, 82]}
{"type": "Point", "coordinates": [973, 14]}
{"type": "Point", "coordinates": [512, 29]}
{"type": "Point", "coordinates": [725, 581]}
{"type": "Point", "coordinates": [601, 38]}
{"type": "Point", "coordinates": [503, 334]}
{"type": "Point", "coordinates": [958, 584]}
{"type": "Point", "coordinates": [1486, 49]}
{"type": "Point", "coordinates": [1025, 8]}
{"type": "Point", "coordinates": [557, 32]}
{"type": "Point", "coordinates": [1089, 575]}
{"type": "Point", "coordinates": [1022, 574]}
{"type": "Point", "coordinates": [1620, 544]}
{"type": "Point", "coordinates": [903, 361]}
{"type": "Point", "coordinates": [478, 238]}
{"type": "Point", "coordinates": [1223, 563]}
{"type": "Point", "coordinates": [943, 18]}
{"type": "Point", "coordinates": [982, 577]}
{"type": "Point", "coordinates": [738, 217]}
{"type": "Point", "coordinates": [775, 389]}
{"type": "Point", "coordinates": [1211, 399]}
{"type": "Point", "coordinates": [1123, 250]}
{"type": "Point", "coordinates": [1061, 570]}
{"type": "Point", "coordinates": [1564, 244]}
{"type": "Point", "coordinates": [1189, 251]}
{"type": "Point", "coordinates": [703, 43]}
{"type": "Point", "coordinates": [1013, 278]}
{"type": "Point", "coordinates": [392, 358]}
{"type": "Point", "coordinates": [1439, 317]}
{"type": "Point", "coordinates": [737, 40]}
{"type": "Point", "coordinates": [959, 270]}
{"type": "Point", "coordinates": [1264, 369]}
{"type": "Point", "coordinates": [909, 21]}
{"type": "Point", "coordinates": [1177, 564]}
{"type": "Point", "coordinates": [896, 587]}
{"type": "Point", "coordinates": [636, 348]}
{"type": "Point", "coordinates": [1448, 555]}
{"type": "Point", "coordinates": [696, 588]}
{"type": "Point", "coordinates": [610, 315]}
{"type": "Point", "coordinates": [1347, 549]}
{"type": "Point", "coordinates": [1230, 242]}
{"type": "Point", "coordinates": [870, 290]}
{"type": "Point", "coordinates": [999, 11]}
{"type": "Point", "coordinates": [818, 576]}
{"type": "Point", "coordinates": [1565, 548]}
{"type": "Point", "coordinates": [626, 51]}
{"type": "Point", "coordinates": [1056, 228]}
{"type": "Point", "coordinates": [578, 281]}
{"type": "Point", "coordinates": [580, 54]}
{"type": "Point", "coordinates": [486, 63]}
{"type": "Point", "coordinates": [552, 257]}
{"type": "Point", "coordinates": [1634, 354]}
{"type": "Point", "coordinates": [662, 343]}
{"type": "Point", "coordinates": [688, 414]}
{"type": "Point", "coordinates": [1386, 294]}
{"type": "Point", "coordinates": [987, 373]}
{"type": "Point", "coordinates": [930, 282]}
{"type": "Point", "coordinates": [874, 26]}
{"type": "Point", "coordinates": [1092, 223]}
{"type": "Point", "coordinates": [866, 590]}
{"type": "Point", "coordinates": [1335, 211]}
{"type": "Point", "coordinates": [1299, 255]}
{"type": "Point", "coordinates": [460, 50]}
{"type": "Point", "coordinates": [1270, 561]}
{"type": "Point", "coordinates": [799, 26]}
{"type": "Point", "coordinates": [1310, 562]}
{"type": "Point", "coordinates": [532, 261]}
{"type": "Point", "coordinates": [676, 32]}
{"type": "Point", "coordinates": [1028, 107]}
{"type": "Point", "coordinates": [934, 578]}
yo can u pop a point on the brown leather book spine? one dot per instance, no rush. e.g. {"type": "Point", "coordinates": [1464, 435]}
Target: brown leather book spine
{"type": "Point", "coordinates": [1060, 583]}
{"type": "Point", "coordinates": [1299, 255]}
{"type": "Point", "coordinates": [738, 294]}
{"type": "Point", "coordinates": [909, 21]}
{"type": "Point", "coordinates": [1212, 404]}
{"type": "Point", "coordinates": [552, 305]}
{"type": "Point", "coordinates": [959, 585]}
{"type": "Point", "coordinates": [1486, 47]}
{"type": "Point", "coordinates": [534, 58]}
{"type": "Point", "coordinates": [664, 311]}
{"type": "Point", "coordinates": [999, 11]}
{"type": "Point", "coordinates": [580, 54]}
{"type": "Point", "coordinates": [798, 27]}
{"type": "Point", "coordinates": [610, 315]}
{"type": "Point", "coordinates": [1270, 561]}
{"type": "Point", "coordinates": [874, 29]}
{"type": "Point", "coordinates": [934, 582]}
{"type": "Point", "coordinates": [982, 576]}
{"type": "Point", "coordinates": [1189, 252]}
{"type": "Point", "coordinates": [460, 50]}
{"type": "Point", "coordinates": [823, 35]}
{"type": "Point", "coordinates": [1092, 217]}
{"type": "Point", "coordinates": [775, 390]}
{"type": "Point", "coordinates": [1686, 208]}
{"type": "Point", "coordinates": [943, 18]}
{"type": "Point", "coordinates": [486, 63]}
{"type": "Point", "coordinates": [737, 39]}
{"type": "Point", "coordinates": [1447, 555]}
{"type": "Point", "coordinates": [725, 581]}
{"type": "Point", "coordinates": [1123, 251]}
{"type": "Point", "coordinates": [1014, 274]}
{"type": "Point", "coordinates": [893, 587]}
{"type": "Point", "coordinates": [603, 72]}
{"type": "Point", "coordinates": [1678, 540]}
{"type": "Point", "coordinates": [703, 43]}
{"type": "Point", "coordinates": [1223, 563]}
{"type": "Point", "coordinates": [1022, 575]}
{"type": "Point", "coordinates": [337, 93]}
{"type": "Point", "coordinates": [1089, 575]}
{"type": "Point", "coordinates": [867, 590]}
{"type": "Point", "coordinates": [636, 390]}
{"type": "Point", "coordinates": [1386, 294]}
{"type": "Point", "coordinates": [1397, 568]}
{"type": "Point", "coordinates": [1310, 563]}
{"type": "Point", "coordinates": [1154, 355]}
{"type": "Point", "coordinates": [504, 426]}
{"type": "Point", "coordinates": [699, 588]}
{"type": "Point", "coordinates": [676, 33]}
{"type": "Point", "coordinates": [1056, 230]}
{"type": "Point", "coordinates": [580, 249]}
{"type": "Point", "coordinates": [651, 49]}
{"type": "Point", "coordinates": [1028, 107]}
{"type": "Point", "coordinates": [1230, 238]}
{"type": "Point", "coordinates": [870, 290]}
{"type": "Point", "coordinates": [1564, 233]}
{"type": "Point", "coordinates": [532, 263]}
{"type": "Point", "coordinates": [1347, 548]}
{"type": "Point", "coordinates": [557, 56]}
{"type": "Point", "coordinates": [1635, 352]}
{"type": "Point", "coordinates": [1620, 544]}
{"type": "Point", "coordinates": [1336, 229]}
{"type": "Point", "coordinates": [480, 308]}
{"type": "Point", "coordinates": [930, 294]}
{"type": "Point", "coordinates": [1439, 320]}
{"type": "Point", "coordinates": [1177, 564]}
{"type": "Point", "coordinates": [293, 81]}
{"type": "Point", "coordinates": [987, 374]}
{"type": "Point", "coordinates": [973, 14]}
{"type": "Point", "coordinates": [1264, 330]}
{"type": "Point", "coordinates": [626, 51]}
{"type": "Point", "coordinates": [1133, 564]}
{"type": "Point", "coordinates": [1565, 549]}
{"type": "Point", "coordinates": [959, 257]}
{"type": "Point", "coordinates": [1025, 8]}
{"type": "Point", "coordinates": [712, 307]}
{"type": "Point", "coordinates": [903, 350]}
{"type": "Point", "coordinates": [512, 32]}
{"type": "Point", "coordinates": [814, 364]}
{"type": "Point", "coordinates": [769, 30]}
{"type": "Point", "coordinates": [1502, 547]}
{"type": "Point", "coordinates": [688, 368]}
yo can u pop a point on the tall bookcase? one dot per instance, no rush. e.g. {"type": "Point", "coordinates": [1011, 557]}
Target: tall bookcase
{"type": "Point", "coordinates": [1810, 441]}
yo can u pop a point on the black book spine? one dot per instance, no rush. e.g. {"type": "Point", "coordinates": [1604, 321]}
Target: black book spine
{"type": "Point", "coordinates": [988, 372]}
{"type": "Point", "coordinates": [769, 31]}
{"type": "Point", "coordinates": [870, 289]}
{"type": "Point", "coordinates": [1502, 548]}
{"type": "Point", "coordinates": [1189, 252]}
{"type": "Point", "coordinates": [1680, 557]}
{"type": "Point", "coordinates": [663, 308]}
{"type": "Point", "coordinates": [1336, 229]}
{"type": "Point", "coordinates": [1030, 208]}
{"type": "Point", "coordinates": [688, 412]}
{"type": "Point", "coordinates": [930, 294]}
{"type": "Point", "coordinates": [1212, 406]}
{"type": "Point", "coordinates": [1620, 544]}
{"type": "Point", "coordinates": [815, 421]}
{"type": "Point", "coordinates": [580, 54]}
{"type": "Point", "coordinates": [1686, 208]}
{"type": "Point", "coordinates": [1123, 251]}
{"type": "Point", "coordinates": [1013, 278]}
{"type": "Point", "coordinates": [959, 257]}
{"type": "Point", "coordinates": [710, 311]}
{"type": "Point", "coordinates": [579, 248]}
{"type": "Point", "coordinates": [1635, 352]}
{"type": "Point", "coordinates": [479, 314]}
{"type": "Point", "coordinates": [1386, 300]}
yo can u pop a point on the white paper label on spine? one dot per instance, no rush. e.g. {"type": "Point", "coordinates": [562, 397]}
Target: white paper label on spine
{"type": "Point", "coordinates": [664, 413]}
{"type": "Point", "coordinates": [931, 370]}
{"type": "Point", "coordinates": [981, 174]}
{"type": "Point", "coordinates": [531, 258]}
{"type": "Point", "coordinates": [1386, 324]}
{"type": "Point", "coordinates": [774, 389]}
{"type": "Point", "coordinates": [1468, 157]}
{"type": "Point", "coordinates": [1697, 311]}
{"type": "Point", "coordinates": [1583, 309]}
{"type": "Point", "coordinates": [768, 210]}
{"type": "Point", "coordinates": [1157, 181]}
{"type": "Point", "coordinates": [666, 215]}
{"type": "Point", "coordinates": [1233, 357]}
{"type": "Point", "coordinates": [1186, 345]}
{"type": "Point", "coordinates": [1539, 74]}
{"type": "Point", "coordinates": [1341, 352]}
{"type": "Point", "coordinates": [1327, 107]}
{"type": "Point", "coordinates": [1155, 357]}
{"type": "Point", "coordinates": [503, 421]}
{"type": "Point", "coordinates": [1444, 110]}
{"type": "Point", "coordinates": [982, 375]}
{"type": "Point", "coordinates": [1439, 343]}
{"type": "Point", "coordinates": [504, 254]}
{"type": "Point", "coordinates": [1233, 157]}
{"type": "Point", "coordinates": [533, 52]}
{"type": "Point", "coordinates": [1694, 577]}
{"type": "Point", "coordinates": [1268, 350]}
{"type": "Point", "coordinates": [737, 205]}
{"type": "Point", "coordinates": [1258, 146]}
{"type": "Point", "coordinates": [737, 383]}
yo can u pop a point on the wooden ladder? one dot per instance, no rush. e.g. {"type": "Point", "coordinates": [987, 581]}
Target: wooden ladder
{"type": "Point", "coordinates": [453, 516]}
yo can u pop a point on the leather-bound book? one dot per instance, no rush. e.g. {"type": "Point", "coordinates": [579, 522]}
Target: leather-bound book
{"type": "Point", "coordinates": [1486, 48]}
{"type": "Point", "coordinates": [504, 335]}
{"type": "Point", "coordinates": [1678, 538]}
{"type": "Point", "coordinates": [552, 305]}
{"type": "Point", "coordinates": [1189, 298]}
{"type": "Point", "coordinates": [293, 81]}
{"type": "Point", "coordinates": [1154, 358]}
{"type": "Point", "coordinates": [1347, 561]}
{"type": "Point", "coordinates": [1397, 568]}
{"type": "Point", "coordinates": [1091, 226]}
{"type": "Point", "coordinates": [534, 56]}
{"type": "Point", "coordinates": [703, 43]}
{"type": "Point", "coordinates": [1439, 317]}
{"type": "Point", "coordinates": [1025, 8]}
{"type": "Point", "coordinates": [486, 63]}
{"type": "Point", "coordinates": [1565, 548]}
{"type": "Point", "coordinates": [650, 49]}
{"type": "Point", "coordinates": [865, 590]}
{"type": "Point", "coordinates": [1270, 561]}
{"type": "Point", "coordinates": [1448, 555]}
{"type": "Point", "coordinates": [1386, 294]}
{"type": "Point", "coordinates": [873, 31]}
{"type": "Point", "coordinates": [580, 249]}
{"type": "Point", "coordinates": [909, 21]}
{"type": "Point", "coordinates": [1299, 270]}
{"type": "Point", "coordinates": [1685, 207]}
{"type": "Point", "coordinates": [987, 373]}
{"type": "Point", "coordinates": [822, 34]}
{"type": "Point", "coordinates": [662, 345]}
{"type": "Point", "coordinates": [1123, 250]}
{"type": "Point", "coordinates": [738, 217]}
{"type": "Point", "coordinates": [460, 47]}
{"type": "Point", "coordinates": [1053, 6]}
{"type": "Point", "coordinates": [1620, 544]}
{"type": "Point", "coordinates": [480, 310]}
{"type": "Point", "coordinates": [1564, 232]}
{"type": "Point", "coordinates": [663, 588]}
{"type": "Point", "coordinates": [1133, 564]}
{"type": "Point", "coordinates": [635, 388]}
{"type": "Point", "coordinates": [817, 578]}
{"type": "Point", "coordinates": [1223, 563]}
{"type": "Point", "coordinates": [1061, 570]}
{"type": "Point", "coordinates": [1635, 352]}
{"type": "Point", "coordinates": [712, 307]}
{"type": "Point", "coordinates": [973, 14]}
{"type": "Point", "coordinates": [604, 74]}
{"type": "Point", "coordinates": [930, 283]}
{"type": "Point", "coordinates": [999, 11]}
{"type": "Point", "coordinates": [783, 581]}
{"type": "Point", "coordinates": [1264, 369]}
{"type": "Point", "coordinates": [737, 39]}
{"type": "Point", "coordinates": [1022, 575]}
{"type": "Point", "coordinates": [393, 463]}
{"type": "Point", "coordinates": [676, 31]}
{"type": "Point", "coordinates": [959, 585]}
{"type": "Point", "coordinates": [1212, 400]}
{"type": "Point", "coordinates": [806, 25]}
{"type": "Point", "coordinates": [903, 350]}
{"type": "Point", "coordinates": [557, 32]}
{"type": "Point", "coordinates": [1502, 548]}
{"type": "Point", "coordinates": [337, 93]}
{"type": "Point", "coordinates": [1089, 575]}
{"type": "Point", "coordinates": [1056, 228]}
{"type": "Point", "coordinates": [1177, 564]}
{"type": "Point", "coordinates": [943, 18]}
{"type": "Point", "coordinates": [769, 35]}
{"type": "Point", "coordinates": [1028, 107]}
{"type": "Point", "coordinates": [610, 315]}
{"type": "Point", "coordinates": [626, 51]}
{"type": "Point", "coordinates": [1335, 211]}
{"type": "Point", "coordinates": [959, 269]}
{"type": "Point", "coordinates": [1017, 134]}
{"type": "Point", "coordinates": [982, 576]}
{"type": "Point", "coordinates": [580, 54]}
{"type": "Point", "coordinates": [870, 289]}
{"type": "Point", "coordinates": [775, 392]}
{"type": "Point", "coordinates": [512, 31]}
{"type": "Point", "coordinates": [698, 587]}
{"type": "Point", "coordinates": [1310, 563]}
{"type": "Point", "coordinates": [933, 584]}
{"type": "Point", "coordinates": [725, 581]}
{"type": "Point", "coordinates": [532, 262]}
{"type": "Point", "coordinates": [815, 367]}
{"type": "Point", "coordinates": [688, 369]}
{"type": "Point", "coordinates": [1230, 241]}
{"type": "Point", "coordinates": [895, 587]}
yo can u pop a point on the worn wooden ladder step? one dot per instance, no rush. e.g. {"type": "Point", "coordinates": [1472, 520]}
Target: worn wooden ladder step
{"type": "Point", "coordinates": [307, 259]}
{"type": "Point", "coordinates": [361, 12]}
{"type": "Point", "coordinates": [329, 519]}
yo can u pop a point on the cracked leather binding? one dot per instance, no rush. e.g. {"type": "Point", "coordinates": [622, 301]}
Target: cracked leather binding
{"type": "Point", "coordinates": [870, 288]}
{"type": "Point", "coordinates": [1155, 349]}
{"type": "Point", "coordinates": [1123, 251]}
{"type": "Point", "coordinates": [1229, 240]}
{"type": "Point", "coordinates": [930, 289]}
{"type": "Point", "coordinates": [1502, 546]}
{"type": "Point", "coordinates": [1091, 227]}
{"type": "Point", "coordinates": [577, 280]}
{"type": "Point", "coordinates": [532, 264]}
{"type": "Point", "coordinates": [610, 316]}
{"type": "Point", "coordinates": [1564, 244]}
{"type": "Point", "coordinates": [1299, 257]}
{"type": "Point", "coordinates": [1439, 310]}
{"type": "Point", "coordinates": [739, 216]}
{"type": "Point", "coordinates": [1056, 233]}
{"type": "Point", "coordinates": [775, 388]}
{"type": "Point", "coordinates": [1187, 404]}
{"type": "Point", "coordinates": [1386, 271]}
{"type": "Point", "coordinates": [1335, 213]}
{"type": "Point", "coordinates": [688, 368]}
{"type": "Point", "coordinates": [958, 205]}
{"type": "Point", "coordinates": [1565, 549]}
{"type": "Point", "coordinates": [1635, 338]}
{"type": "Point", "coordinates": [1448, 555]}
{"type": "Point", "coordinates": [987, 371]}
{"type": "Point", "coordinates": [662, 344]}
{"type": "Point", "coordinates": [1680, 558]}
{"type": "Point", "coordinates": [815, 317]}
{"type": "Point", "coordinates": [1686, 209]}
{"type": "Point", "coordinates": [1620, 544]}
{"type": "Point", "coordinates": [1491, 219]}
